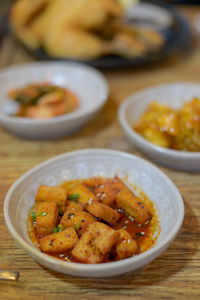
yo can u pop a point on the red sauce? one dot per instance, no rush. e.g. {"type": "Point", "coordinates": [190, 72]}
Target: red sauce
{"type": "Point", "coordinates": [145, 235]}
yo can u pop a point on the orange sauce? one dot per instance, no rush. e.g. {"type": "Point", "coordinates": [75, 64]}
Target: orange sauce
{"type": "Point", "coordinates": [145, 235]}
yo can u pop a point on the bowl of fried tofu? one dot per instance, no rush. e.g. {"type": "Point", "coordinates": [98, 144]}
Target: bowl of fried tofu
{"type": "Point", "coordinates": [94, 213]}
{"type": "Point", "coordinates": [163, 122]}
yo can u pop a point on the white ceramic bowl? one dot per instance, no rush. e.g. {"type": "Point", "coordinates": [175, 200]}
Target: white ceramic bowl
{"type": "Point", "coordinates": [86, 82]}
{"type": "Point", "coordinates": [173, 95]}
{"type": "Point", "coordinates": [83, 164]}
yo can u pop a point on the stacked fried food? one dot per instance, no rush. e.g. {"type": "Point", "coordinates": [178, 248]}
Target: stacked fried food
{"type": "Point", "coordinates": [80, 29]}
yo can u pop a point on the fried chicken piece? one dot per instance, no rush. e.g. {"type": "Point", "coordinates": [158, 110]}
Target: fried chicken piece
{"type": "Point", "coordinates": [23, 16]}
{"type": "Point", "coordinates": [73, 43]}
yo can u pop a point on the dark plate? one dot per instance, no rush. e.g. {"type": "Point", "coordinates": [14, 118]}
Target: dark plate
{"type": "Point", "coordinates": [177, 38]}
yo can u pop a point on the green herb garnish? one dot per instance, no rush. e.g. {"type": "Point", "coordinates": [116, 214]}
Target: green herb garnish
{"type": "Point", "coordinates": [33, 215]}
{"type": "Point", "coordinates": [60, 213]}
{"type": "Point", "coordinates": [77, 226]}
{"type": "Point", "coordinates": [43, 214]}
{"type": "Point", "coordinates": [60, 227]}
{"type": "Point", "coordinates": [55, 229]}
{"type": "Point", "coordinates": [73, 197]}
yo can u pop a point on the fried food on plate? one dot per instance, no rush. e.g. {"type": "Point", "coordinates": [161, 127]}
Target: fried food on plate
{"type": "Point", "coordinates": [80, 29]}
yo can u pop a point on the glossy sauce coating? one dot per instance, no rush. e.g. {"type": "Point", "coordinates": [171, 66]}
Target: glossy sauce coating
{"type": "Point", "coordinates": [145, 235]}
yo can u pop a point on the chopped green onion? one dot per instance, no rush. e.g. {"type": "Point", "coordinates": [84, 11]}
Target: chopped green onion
{"type": "Point", "coordinates": [43, 214]}
{"type": "Point", "coordinates": [60, 213]}
{"type": "Point", "coordinates": [60, 227]}
{"type": "Point", "coordinates": [73, 197]}
{"type": "Point", "coordinates": [33, 215]}
{"type": "Point", "coordinates": [77, 226]}
{"type": "Point", "coordinates": [55, 229]}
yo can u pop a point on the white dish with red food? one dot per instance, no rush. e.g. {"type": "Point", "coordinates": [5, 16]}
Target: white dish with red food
{"type": "Point", "coordinates": [84, 164]}
{"type": "Point", "coordinates": [80, 82]}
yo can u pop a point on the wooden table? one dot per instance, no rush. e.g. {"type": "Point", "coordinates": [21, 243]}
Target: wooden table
{"type": "Point", "coordinates": [176, 273]}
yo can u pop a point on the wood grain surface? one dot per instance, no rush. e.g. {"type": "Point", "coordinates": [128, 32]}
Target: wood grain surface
{"type": "Point", "coordinates": [176, 273]}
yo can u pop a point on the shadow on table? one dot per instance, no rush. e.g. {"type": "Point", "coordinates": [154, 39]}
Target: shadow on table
{"type": "Point", "coordinates": [102, 120]}
{"type": "Point", "coordinates": [175, 258]}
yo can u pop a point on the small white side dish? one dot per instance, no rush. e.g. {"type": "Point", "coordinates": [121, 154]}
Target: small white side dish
{"type": "Point", "coordinates": [173, 95]}
{"type": "Point", "coordinates": [87, 83]}
{"type": "Point", "coordinates": [86, 163]}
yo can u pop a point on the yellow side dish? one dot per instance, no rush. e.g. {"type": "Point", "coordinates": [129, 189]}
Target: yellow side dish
{"type": "Point", "coordinates": [169, 128]}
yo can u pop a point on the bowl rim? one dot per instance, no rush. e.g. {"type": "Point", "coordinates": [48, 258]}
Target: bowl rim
{"type": "Point", "coordinates": [130, 100]}
{"type": "Point", "coordinates": [66, 117]}
{"type": "Point", "coordinates": [30, 249]}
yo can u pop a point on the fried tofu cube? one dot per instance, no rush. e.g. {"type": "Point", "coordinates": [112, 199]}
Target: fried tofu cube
{"type": "Point", "coordinates": [104, 237]}
{"type": "Point", "coordinates": [125, 246]}
{"type": "Point", "coordinates": [74, 206]}
{"type": "Point", "coordinates": [56, 194]}
{"type": "Point", "coordinates": [77, 219]}
{"type": "Point", "coordinates": [103, 212]}
{"type": "Point", "coordinates": [84, 194]}
{"type": "Point", "coordinates": [106, 192]}
{"type": "Point", "coordinates": [68, 185]}
{"type": "Point", "coordinates": [94, 182]}
{"type": "Point", "coordinates": [85, 251]}
{"type": "Point", "coordinates": [95, 243]}
{"type": "Point", "coordinates": [60, 241]}
{"type": "Point", "coordinates": [131, 204]}
{"type": "Point", "coordinates": [71, 205]}
{"type": "Point", "coordinates": [46, 217]}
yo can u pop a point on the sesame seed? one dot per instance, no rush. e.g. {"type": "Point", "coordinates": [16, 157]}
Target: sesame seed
{"type": "Point", "coordinates": [139, 225]}
{"type": "Point", "coordinates": [126, 222]}
{"type": "Point", "coordinates": [142, 233]}
{"type": "Point", "coordinates": [62, 255]}
{"type": "Point", "coordinates": [128, 242]}
{"type": "Point", "coordinates": [120, 210]}
{"type": "Point", "coordinates": [90, 201]}
{"type": "Point", "coordinates": [146, 222]}
{"type": "Point", "coordinates": [66, 258]}
{"type": "Point", "coordinates": [124, 226]}
{"type": "Point", "coordinates": [131, 218]}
